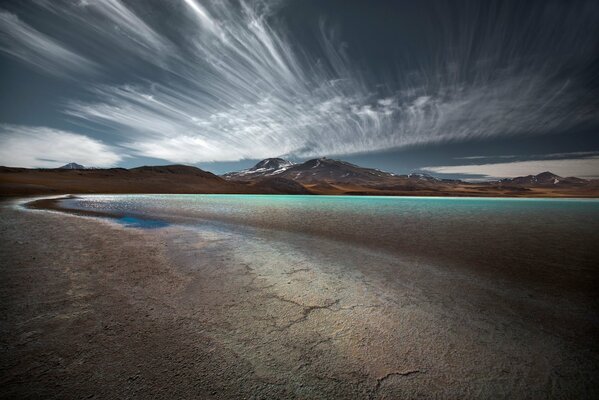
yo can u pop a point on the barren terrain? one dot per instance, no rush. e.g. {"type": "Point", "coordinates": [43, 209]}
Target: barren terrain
{"type": "Point", "coordinates": [94, 309]}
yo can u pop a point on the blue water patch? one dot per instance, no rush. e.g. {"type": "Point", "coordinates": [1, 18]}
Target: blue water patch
{"type": "Point", "coordinates": [134, 222]}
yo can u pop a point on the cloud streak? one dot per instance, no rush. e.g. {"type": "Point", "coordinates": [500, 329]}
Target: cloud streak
{"type": "Point", "coordinates": [110, 30]}
{"type": "Point", "coordinates": [39, 50]}
{"type": "Point", "coordinates": [578, 154]}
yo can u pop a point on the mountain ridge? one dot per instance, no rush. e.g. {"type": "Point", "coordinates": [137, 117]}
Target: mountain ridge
{"type": "Point", "coordinates": [279, 176]}
{"type": "Point", "coordinates": [295, 171]}
{"type": "Point", "coordinates": [330, 176]}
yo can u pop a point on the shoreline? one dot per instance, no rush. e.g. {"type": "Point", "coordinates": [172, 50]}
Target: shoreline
{"type": "Point", "coordinates": [53, 204]}
{"type": "Point", "coordinates": [458, 195]}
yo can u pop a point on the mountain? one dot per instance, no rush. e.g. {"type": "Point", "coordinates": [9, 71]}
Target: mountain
{"type": "Point", "coordinates": [545, 179]}
{"type": "Point", "coordinates": [72, 166]}
{"type": "Point", "coordinates": [311, 171]}
{"type": "Point", "coordinates": [265, 168]}
{"type": "Point", "coordinates": [329, 176]}
{"type": "Point", "coordinates": [277, 176]}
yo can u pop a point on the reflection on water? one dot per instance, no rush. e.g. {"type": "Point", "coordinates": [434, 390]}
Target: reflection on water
{"type": "Point", "coordinates": [546, 243]}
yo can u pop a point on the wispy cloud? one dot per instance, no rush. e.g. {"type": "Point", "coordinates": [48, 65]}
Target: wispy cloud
{"type": "Point", "coordinates": [39, 50]}
{"type": "Point", "coordinates": [581, 167]}
{"type": "Point", "coordinates": [227, 81]}
{"type": "Point", "coordinates": [485, 157]}
{"type": "Point", "coordinates": [111, 31]}
{"type": "Point", "coordinates": [41, 147]}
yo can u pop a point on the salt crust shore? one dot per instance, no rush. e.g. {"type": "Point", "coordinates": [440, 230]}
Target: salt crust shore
{"type": "Point", "coordinates": [94, 309]}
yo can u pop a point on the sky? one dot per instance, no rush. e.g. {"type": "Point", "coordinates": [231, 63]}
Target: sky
{"type": "Point", "coordinates": [467, 89]}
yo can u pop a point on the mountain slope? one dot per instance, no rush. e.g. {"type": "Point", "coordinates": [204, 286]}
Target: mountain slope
{"type": "Point", "coordinates": [177, 170]}
{"type": "Point", "coordinates": [333, 171]}
{"type": "Point", "coordinates": [265, 168]}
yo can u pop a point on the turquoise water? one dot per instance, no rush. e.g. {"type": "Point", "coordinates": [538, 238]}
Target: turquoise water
{"type": "Point", "coordinates": [144, 223]}
{"type": "Point", "coordinates": [523, 239]}
{"type": "Point", "coordinates": [263, 205]}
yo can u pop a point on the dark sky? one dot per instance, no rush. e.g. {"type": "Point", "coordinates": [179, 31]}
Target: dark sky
{"type": "Point", "coordinates": [477, 88]}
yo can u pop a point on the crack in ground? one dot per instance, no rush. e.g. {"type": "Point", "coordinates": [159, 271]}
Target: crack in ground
{"type": "Point", "coordinates": [353, 307]}
{"type": "Point", "coordinates": [296, 271]}
{"type": "Point", "coordinates": [306, 310]}
{"type": "Point", "coordinates": [381, 380]}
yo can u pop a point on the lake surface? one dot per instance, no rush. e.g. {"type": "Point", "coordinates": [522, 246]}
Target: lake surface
{"type": "Point", "coordinates": [525, 240]}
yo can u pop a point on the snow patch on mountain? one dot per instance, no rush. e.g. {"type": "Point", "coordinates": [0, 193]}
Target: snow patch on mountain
{"type": "Point", "coordinates": [265, 168]}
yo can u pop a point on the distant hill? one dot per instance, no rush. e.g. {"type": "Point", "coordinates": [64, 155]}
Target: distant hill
{"type": "Point", "coordinates": [178, 170]}
{"type": "Point", "coordinates": [544, 179]}
{"type": "Point", "coordinates": [72, 166]}
{"type": "Point", "coordinates": [155, 179]}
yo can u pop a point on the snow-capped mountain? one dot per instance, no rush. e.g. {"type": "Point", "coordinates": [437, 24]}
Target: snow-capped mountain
{"type": "Point", "coordinates": [72, 166]}
{"type": "Point", "coordinates": [315, 170]}
{"type": "Point", "coordinates": [543, 179]}
{"type": "Point", "coordinates": [329, 170]}
{"type": "Point", "coordinates": [265, 168]}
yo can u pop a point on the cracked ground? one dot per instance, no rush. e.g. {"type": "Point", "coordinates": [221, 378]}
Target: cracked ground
{"type": "Point", "coordinates": [94, 309]}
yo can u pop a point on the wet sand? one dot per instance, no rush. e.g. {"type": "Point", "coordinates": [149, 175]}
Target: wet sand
{"type": "Point", "coordinates": [94, 309]}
